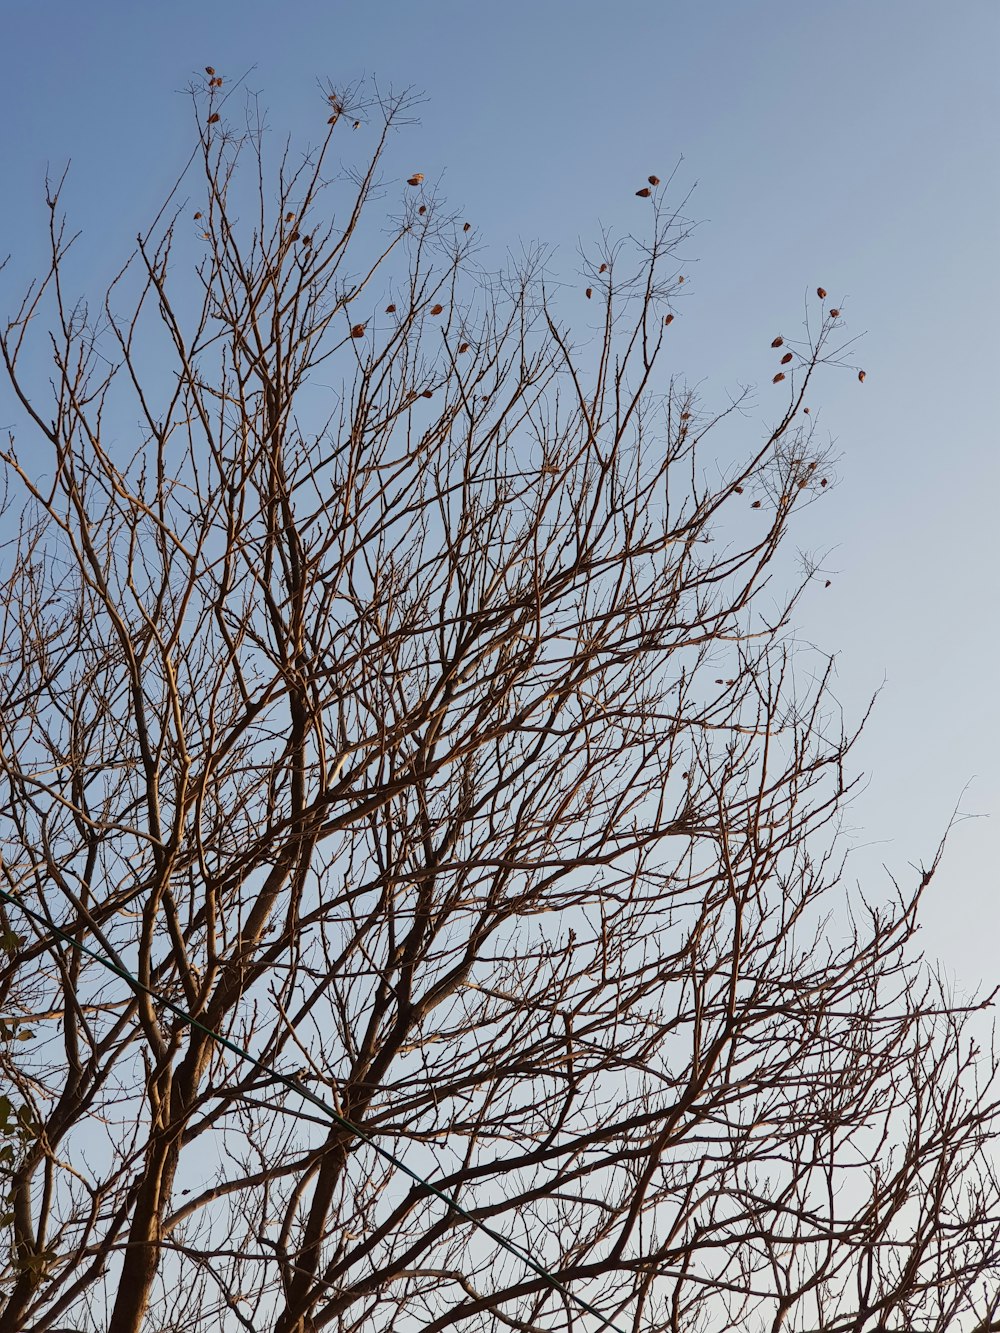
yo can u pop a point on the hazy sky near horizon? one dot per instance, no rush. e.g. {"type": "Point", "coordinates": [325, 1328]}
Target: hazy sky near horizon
{"type": "Point", "coordinates": [850, 144]}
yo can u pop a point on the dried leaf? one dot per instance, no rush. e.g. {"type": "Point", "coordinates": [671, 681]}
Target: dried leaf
{"type": "Point", "coordinates": [466, 226]}
{"type": "Point", "coordinates": [806, 410]}
{"type": "Point", "coordinates": [834, 314]}
{"type": "Point", "coordinates": [358, 331]}
{"type": "Point", "coordinates": [779, 377]}
{"type": "Point", "coordinates": [603, 268]}
{"type": "Point", "coordinates": [644, 193]}
{"type": "Point", "coordinates": [823, 481]}
{"type": "Point", "coordinates": [390, 309]}
{"type": "Point", "coordinates": [197, 217]}
{"type": "Point", "coordinates": [821, 293]}
{"type": "Point", "coordinates": [416, 178]}
{"type": "Point", "coordinates": [653, 180]}
{"type": "Point", "coordinates": [589, 293]}
{"type": "Point", "coordinates": [213, 118]}
{"type": "Point", "coordinates": [668, 319]}
{"type": "Point", "coordinates": [289, 217]}
{"type": "Point", "coordinates": [755, 505]}
{"type": "Point", "coordinates": [685, 416]}
{"type": "Point", "coordinates": [786, 358]}
{"type": "Point", "coordinates": [861, 376]}
{"type": "Point", "coordinates": [738, 490]}
{"type": "Point", "coordinates": [209, 69]}
{"type": "Point", "coordinates": [427, 393]}
{"type": "Point", "coordinates": [827, 583]}
{"type": "Point", "coordinates": [777, 342]}
{"type": "Point", "coordinates": [422, 209]}
{"type": "Point", "coordinates": [463, 347]}
{"type": "Point", "coordinates": [436, 309]}
{"type": "Point", "coordinates": [356, 125]}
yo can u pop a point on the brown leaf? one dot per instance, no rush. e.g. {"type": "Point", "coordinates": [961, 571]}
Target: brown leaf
{"type": "Point", "coordinates": [680, 279]}
{"type": "Point", "coordinates": [777, 342]}
{"type": "Point", "coordinates": [427, 393]}
{"type": "Point", "coordinates": [213, 118]}
{"type": "Point", "coordinates": [358, 331]}
{"type": "Point", "coordinates": [466, 226]}
{"type": "Point", "coordinates": [603, 268]}
{"type": "Point", "coordinates": [823, 481]}
{"type": "Point", "coordinates": [653, 180]}
{"type": "Point", "coordinates": [209, 69]}
{"type": "Point", "coordinates": [821, 293]}
{"type": "Point", "coordinates": [416, 178]}
{"type": "Point", "coordinates": [738, 490]}
{"type": "Point", "coordinates": [589, 293]}
{"type": "Point", "coordinates": [834, 314]}
{"type": "Point", "coordinates": [463, 347]}
{"type": "Point", "coordinates": [685, 416]}
{"type": "Point", "coordinates": [390, 309]}
{"type": "Point", "coordinates": [294, 236]}
{"type": "Point", "coordinates": [861, 376]}
{"type": "Point", "coordinates": [755, 505]}
{"type": "Point", "coordinates": [827, 583]}
{"type": "Point", "coordinates": [422, 209]}
{"type": "Point", "coordinates": [644, 193]}
{"type": "Point", "coordinates": [668, 319]}
{"type": "Point", "coordinates": [806, 410]}
{"type": "Point", "coordinates": [197, 217]}
{"type": "Point", "coordinates": [786, 358]}
{"type": "Point", "coordinates": [333, 120]}
{"type": "Point", "coordinates": [436, 309]}
{"type": "Point", "coordinates": [779, 377]}
{"type": "Point", "coordinates": [289, 217]}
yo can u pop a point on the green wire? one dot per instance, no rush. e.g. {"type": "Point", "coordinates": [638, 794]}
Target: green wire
{"type": "Point", "coordinates": [295, 1086]}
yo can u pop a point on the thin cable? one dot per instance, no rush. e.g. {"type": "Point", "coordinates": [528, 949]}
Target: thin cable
{"type": "Point", "coordinates": [308, 1095]}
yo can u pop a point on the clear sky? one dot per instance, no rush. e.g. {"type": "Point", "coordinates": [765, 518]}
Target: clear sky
{"type": "Point", "coordinates": [851, 143]}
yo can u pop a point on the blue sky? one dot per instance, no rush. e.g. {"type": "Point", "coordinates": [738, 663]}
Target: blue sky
{"type": "Point", "coordinates": [850, 143]}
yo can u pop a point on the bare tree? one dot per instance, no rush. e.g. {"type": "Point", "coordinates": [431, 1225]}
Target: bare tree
{"type": "Point", "coordinates": [394, 690]}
